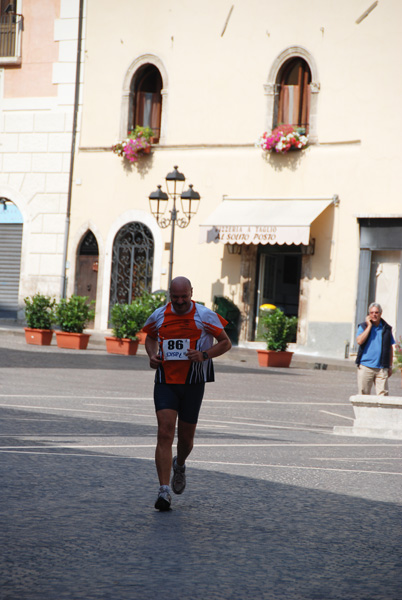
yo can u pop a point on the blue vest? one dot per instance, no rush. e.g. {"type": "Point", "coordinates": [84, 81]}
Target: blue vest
{"type": "Point", "coordinates": [386, 344]}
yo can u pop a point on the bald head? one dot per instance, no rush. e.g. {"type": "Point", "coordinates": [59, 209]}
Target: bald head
{"type": "Point", "coordinates": [180, 294]}
{"type": "Point", "coordinates": [180, 282]}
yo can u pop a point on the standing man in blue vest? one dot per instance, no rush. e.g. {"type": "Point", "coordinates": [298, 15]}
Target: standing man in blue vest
{"type": "Point", "coordinates": [376, 354]}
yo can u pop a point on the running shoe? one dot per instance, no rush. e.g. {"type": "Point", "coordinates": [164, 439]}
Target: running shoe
{"type": "Point", "coordinates": [164, 499]}
{"type": "Point", "coordinates": [178, 482]}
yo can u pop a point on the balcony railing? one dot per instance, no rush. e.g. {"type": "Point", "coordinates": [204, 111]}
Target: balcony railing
{"type": "Point", "coordinates": [10, 38]}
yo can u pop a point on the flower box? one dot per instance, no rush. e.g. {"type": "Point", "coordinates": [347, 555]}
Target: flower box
{"type": "Point", "coordinates": [137, 142]}
{"type": "Point", "coordinates": [282, 139]}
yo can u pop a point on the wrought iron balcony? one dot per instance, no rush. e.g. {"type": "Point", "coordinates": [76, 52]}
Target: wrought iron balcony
{"type": "Point", "coordinates": [10, 38]}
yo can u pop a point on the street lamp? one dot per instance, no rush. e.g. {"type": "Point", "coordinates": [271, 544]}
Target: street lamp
{"type": "Point", "coordinates": [159, 200]}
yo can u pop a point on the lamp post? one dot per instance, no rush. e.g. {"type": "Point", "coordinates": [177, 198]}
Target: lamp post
{"type": "Point", "coordinates": [159, 201]}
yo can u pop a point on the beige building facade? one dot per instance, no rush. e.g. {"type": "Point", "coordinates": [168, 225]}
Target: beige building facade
{"type": "Point", "coordinates": [317, 232]}
{"type": "Point", "coordinates": [218, 72]}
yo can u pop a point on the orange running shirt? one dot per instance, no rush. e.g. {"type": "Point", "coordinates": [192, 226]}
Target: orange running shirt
{"type": "Point", "coordinates": [175, 333]}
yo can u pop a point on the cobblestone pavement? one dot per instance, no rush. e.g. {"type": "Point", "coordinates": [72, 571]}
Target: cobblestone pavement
{"type": "Point", "coordinates": [276, 506]}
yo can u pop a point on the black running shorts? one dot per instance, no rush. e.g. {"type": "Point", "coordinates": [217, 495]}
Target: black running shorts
{"type": "Point", "coordinates": [185, 398]}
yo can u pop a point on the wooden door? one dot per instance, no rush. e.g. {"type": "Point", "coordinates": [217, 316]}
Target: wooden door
{"type": "Point", "coordinates": [87, 278]}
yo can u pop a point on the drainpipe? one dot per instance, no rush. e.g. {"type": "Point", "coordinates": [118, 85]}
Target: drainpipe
{"type": "Point", "coordinates": [73, 140]}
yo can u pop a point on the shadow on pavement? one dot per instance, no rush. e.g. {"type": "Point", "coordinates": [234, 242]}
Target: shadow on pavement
{"type": "Point", "coordinates": [80, 359]}
{"type": "Point", "coordinates": [84, 527]}
{"type": "Point", "coordinates": [55, 429]}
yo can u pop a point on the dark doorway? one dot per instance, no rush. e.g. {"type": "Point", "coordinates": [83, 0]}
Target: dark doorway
{"type": "Point", "coordinates": [86, 280]}
{"type": "Point", "coordinates": [279, 271]}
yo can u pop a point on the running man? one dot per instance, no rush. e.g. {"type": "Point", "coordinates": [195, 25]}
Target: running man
{"type": "Point", "coordinates": [180, 347]}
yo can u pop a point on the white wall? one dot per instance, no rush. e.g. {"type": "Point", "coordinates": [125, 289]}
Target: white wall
{"type": "Point", "coordinates": [35, 149]}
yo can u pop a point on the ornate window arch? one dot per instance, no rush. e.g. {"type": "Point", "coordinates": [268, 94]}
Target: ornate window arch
{"type": "Point", "coordinates": [292, 64]}
{"type": "Point", "coordinates": [144, 99]}
{"type": "Point", "coordinates": [132, 263]}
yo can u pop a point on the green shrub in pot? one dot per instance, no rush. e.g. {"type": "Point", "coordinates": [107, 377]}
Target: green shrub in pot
{"type": "Point", "coordinates": [40, 311]}
{"type": "Point", "coordinates": [278, 329]}
{"type": "Point", "coordinates": [73, 314]}
{"type": "Point", "coordinates": [128, 319]}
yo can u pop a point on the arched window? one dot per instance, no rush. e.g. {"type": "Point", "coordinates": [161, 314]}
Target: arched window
{"type": "Point", "coordinates": [132, 263]}
{"type": "Point", "coordinates": [146, 99]}
{"type": "Point", "coordinates": [89, 245]}
{"type": "Point", "coordinates": [293, 108]}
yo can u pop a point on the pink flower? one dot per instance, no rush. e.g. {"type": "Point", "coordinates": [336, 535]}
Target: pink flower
{"type": "Point", "coordinates": [131, 147]}
{"type": "Point", "coordinates": [282, 139]}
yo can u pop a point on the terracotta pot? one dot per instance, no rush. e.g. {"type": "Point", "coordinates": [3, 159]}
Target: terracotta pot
{"type": "Point", "coordinates": [121, 346]}
{"type": "Point", "coordinates": [271, 358]}
{"type": "Point", "coordinates": [73, 341]}
{"type": "Point", "coordinates": [141, 335]}
{"type": "Point", "coordinates": [147, 150]}
{"type": "Point", "coordinates": [39, 337]}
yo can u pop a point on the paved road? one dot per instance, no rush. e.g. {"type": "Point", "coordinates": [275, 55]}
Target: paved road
{"type": "Point", "coordinates": [276, 508]}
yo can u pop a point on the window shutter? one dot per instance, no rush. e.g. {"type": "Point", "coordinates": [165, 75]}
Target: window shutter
{"type": "Point", "coordinates": [156, 115]}
{"type": "Point", "coordinates": [294, 96]}
{"type": "Point", "coordinates": [10, 263]}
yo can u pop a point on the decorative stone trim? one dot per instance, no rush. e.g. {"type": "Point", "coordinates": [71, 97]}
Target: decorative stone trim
{"type": "Point", "coordinates": [126, 92]}
{"type": "Point", "coordinates": [271, 88]}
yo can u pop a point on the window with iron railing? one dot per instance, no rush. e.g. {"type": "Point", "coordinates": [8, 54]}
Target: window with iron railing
{"type": "Point", "coordinates": [10, 37]}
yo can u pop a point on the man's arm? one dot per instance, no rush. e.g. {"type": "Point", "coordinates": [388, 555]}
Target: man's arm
{"type": "Point", "coordinates": [152, 349]}
{"type": "Point", "coordinates": [391, 361]}
{"type": "Point", "coordinates": [364, 335]}
{"type": "Point", "coordinates": [223, 345]}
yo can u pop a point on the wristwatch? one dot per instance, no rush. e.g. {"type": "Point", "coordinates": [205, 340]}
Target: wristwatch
{"type": "Point", "coordinates": [205, 356]}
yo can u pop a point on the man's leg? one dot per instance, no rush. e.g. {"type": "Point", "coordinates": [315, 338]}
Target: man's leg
{"type": "Point", "coordinates": [381, 382]}
{"type": "Point", "coordinates": [365, 379]}
{"type": "Point", "coordinates": [185, 443]}
{"type": "Point", "coordinates": [185, 440]}
{"type": "Point", "coordinates": [191, 399]}
{"type": "Point", "coordinates": [163, 453]}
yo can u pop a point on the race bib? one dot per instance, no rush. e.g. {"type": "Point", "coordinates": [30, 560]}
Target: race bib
{"type": "Point", "coordinates": [175, 349]}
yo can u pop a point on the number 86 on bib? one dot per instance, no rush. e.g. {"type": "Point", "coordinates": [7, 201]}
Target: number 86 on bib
{"type": "Point", "coordinates": [175, 349]}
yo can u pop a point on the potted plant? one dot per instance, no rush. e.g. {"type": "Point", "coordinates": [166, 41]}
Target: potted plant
{"type": "Point", "coordinates": [279, 330]}
{"type": "Point", "coordinates": [147, 132]}
{"type": "Point", "coordinates": [127, 321]}
{"type": "Point", "coordinates": [283, 138]}
{"type": "Point", "coordinates": [40, 316]}
{"type": "Point", "coordinates": [137, 142]}
{"type": "Point", "coordinates": [72, 317]}
{"type": "Point", "coordinates": [149, 302]}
